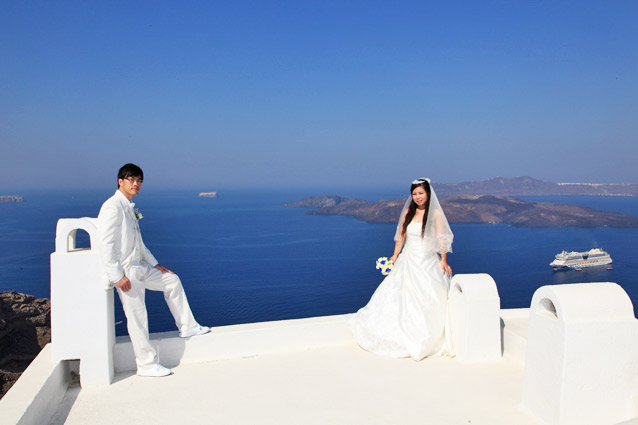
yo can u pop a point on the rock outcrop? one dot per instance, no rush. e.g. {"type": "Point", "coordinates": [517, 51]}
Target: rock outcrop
{"type": "Point", "coordinates": [25, 328]}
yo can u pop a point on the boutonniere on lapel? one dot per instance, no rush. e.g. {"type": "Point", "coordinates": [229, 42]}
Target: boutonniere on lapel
{"type": "Point", "coordinates": [138, 214]}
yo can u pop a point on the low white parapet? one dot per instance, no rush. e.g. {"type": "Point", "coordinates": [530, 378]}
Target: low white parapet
{"type": "Point", "coordinates": [581, 365]}
{"type": "Point", "coordinates": [82, 318]}
{"type": "Point", "coordinates": [475, 318]}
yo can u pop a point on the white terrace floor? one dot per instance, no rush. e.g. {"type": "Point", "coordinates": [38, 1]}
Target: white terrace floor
{"type": "Point", "coordinates": [330, 384]}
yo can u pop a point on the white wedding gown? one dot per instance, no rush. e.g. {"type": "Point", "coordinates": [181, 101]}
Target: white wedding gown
{"type": "Point", "coordinates": [407, 314]}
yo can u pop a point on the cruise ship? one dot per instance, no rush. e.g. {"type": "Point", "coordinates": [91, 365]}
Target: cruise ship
{"type": "Point", "coordinates": [579, 260]}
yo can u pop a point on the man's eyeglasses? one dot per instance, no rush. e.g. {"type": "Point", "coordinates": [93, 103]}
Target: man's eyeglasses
{"type": "Point", "coordinates": [132, 180]}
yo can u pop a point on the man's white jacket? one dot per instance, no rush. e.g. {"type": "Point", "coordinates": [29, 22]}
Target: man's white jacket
{"type": "Point", "coordinates": [119, 239]}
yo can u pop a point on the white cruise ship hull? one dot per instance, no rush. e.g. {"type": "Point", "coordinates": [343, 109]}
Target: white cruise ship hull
{"type": "Point", "coordinates": [580, 260]}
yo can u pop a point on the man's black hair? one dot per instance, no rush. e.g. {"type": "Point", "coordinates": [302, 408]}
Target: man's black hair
{"type": "Point", "coordinates": [129, 170]}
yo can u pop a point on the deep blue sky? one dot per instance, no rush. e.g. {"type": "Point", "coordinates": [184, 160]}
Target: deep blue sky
{"type": "Point", "coordinates": [317, 93]}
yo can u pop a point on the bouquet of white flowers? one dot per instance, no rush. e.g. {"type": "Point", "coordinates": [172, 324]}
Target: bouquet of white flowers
{"type": "Point", "coordinates": [384, 265]}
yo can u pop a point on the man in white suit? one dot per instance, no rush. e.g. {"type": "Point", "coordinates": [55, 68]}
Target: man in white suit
{"type": "Point", "coordinates": [132, 269]}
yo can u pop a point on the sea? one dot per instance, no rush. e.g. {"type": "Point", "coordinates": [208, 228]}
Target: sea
{"type": "Point", "coordinates": [244, 258]}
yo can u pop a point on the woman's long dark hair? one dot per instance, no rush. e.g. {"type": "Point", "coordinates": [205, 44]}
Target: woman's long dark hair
{"type": "Point", "coordinates": [412, 208]}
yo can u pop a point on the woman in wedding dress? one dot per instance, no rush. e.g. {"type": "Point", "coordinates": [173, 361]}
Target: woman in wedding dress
{"type": "Point", "coordinates": [407, 314]}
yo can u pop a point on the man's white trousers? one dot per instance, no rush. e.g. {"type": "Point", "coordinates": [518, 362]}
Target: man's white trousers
{"type": "Point", "coordinates": [144, 277]}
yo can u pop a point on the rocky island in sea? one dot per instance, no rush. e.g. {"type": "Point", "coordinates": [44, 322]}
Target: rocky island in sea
{"type": "Point", "coordinates": [495, 205]}
{"type": "Point", "coordinates": [9, 199]}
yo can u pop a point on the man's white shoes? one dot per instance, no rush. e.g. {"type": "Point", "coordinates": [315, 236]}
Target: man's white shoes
{"type": "Point", "coordinates": [156, 371]}
{"type": "Point", "coordinates": [195, 330]}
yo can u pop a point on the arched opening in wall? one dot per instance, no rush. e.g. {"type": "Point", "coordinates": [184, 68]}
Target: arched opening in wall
{"type": "Point", "coordinates": [547, 308]}
{"type": "Point", "coordinates": [82, 239]}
